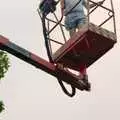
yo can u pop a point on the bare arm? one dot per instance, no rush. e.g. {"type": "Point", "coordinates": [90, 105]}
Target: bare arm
{"type": "Point", "coordinates": [62, 4]}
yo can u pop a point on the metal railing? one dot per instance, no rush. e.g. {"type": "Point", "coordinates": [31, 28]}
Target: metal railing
{"type": "Point", "coordinates": [58, 22]}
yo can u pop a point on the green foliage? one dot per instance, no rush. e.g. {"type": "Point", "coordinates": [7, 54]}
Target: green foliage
{"type": "Point", "coordinates": [4, 63]}
{"type": "Point", "coordinates": [1, 106]}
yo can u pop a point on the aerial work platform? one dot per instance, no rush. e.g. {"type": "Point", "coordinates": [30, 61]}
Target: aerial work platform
{"type": "Point", "coordinates": [86, 46]}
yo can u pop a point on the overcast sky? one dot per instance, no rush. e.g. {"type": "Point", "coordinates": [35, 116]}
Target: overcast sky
{"type": "Point", "coordinates": [31, 94]}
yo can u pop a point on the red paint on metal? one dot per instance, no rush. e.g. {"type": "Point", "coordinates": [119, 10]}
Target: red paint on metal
{"type": "Point", "coordinates": [43, 62]}
{"type": "Point", "coordinates": [85, 47]}
{"type": "Point", "coordinates": [3, 40]}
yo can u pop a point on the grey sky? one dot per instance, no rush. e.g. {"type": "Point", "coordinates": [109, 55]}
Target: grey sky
{"type": "Point", "coordinates": [31, 94]}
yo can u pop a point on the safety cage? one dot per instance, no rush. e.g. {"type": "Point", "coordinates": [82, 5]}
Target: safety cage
{"type": "Point", "coordinates": [91, 42]}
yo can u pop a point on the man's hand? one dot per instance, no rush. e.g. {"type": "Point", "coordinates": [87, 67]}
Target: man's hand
{"type": "Point", "coordinates": [62, 6]}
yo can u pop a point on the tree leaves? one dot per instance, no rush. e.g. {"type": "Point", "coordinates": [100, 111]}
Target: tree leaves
{"type": "Point", "coordinates": [1, 106]}
{"type": "Point", "coordinates": [4, 65]}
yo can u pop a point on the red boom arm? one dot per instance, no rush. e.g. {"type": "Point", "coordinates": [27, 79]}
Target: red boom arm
{"type": "Point", "coordinates": [42, 64]}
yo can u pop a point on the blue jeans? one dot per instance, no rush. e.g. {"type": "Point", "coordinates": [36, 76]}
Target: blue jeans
{"type": "Point", "coordinates": [72, 20]}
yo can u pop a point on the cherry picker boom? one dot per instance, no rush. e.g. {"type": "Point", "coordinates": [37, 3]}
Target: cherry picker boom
{"type": "Point", "coordinates": [40, 63]}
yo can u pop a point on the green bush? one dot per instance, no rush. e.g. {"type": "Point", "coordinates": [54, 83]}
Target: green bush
{"type": "Point", "coordinates": [4, 65]}
{"type": "Point", "coordinates": [1, 106]}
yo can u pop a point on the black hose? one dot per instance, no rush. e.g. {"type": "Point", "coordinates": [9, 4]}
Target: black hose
{"type": "Point", "coordinates": [65, 90]}
{"type": "Point", "coordinates": [46, 39]}
{"type": "Point", "coordinates": [50, 57]}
